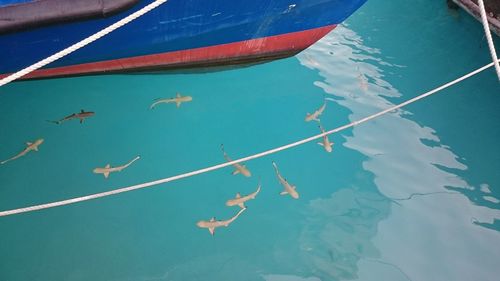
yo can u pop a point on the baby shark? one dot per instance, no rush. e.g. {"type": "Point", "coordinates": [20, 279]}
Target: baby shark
{"type": "Point", "coordinates": [316, 114]}
{"type": "Point", "coordinates": [82, 115]}
{"type": "Point", "coordinates": [177, 100]}
{"type": "Point", "coordinates": [239, 168]}
{"type": "Point", "coordinates": [108, 169]}
{"type": "Point", "coordinates": [326, 144]}
{"type": "Point", "coordinates": [289, 189]}
{"type": "Point", "coordinates": [212, 224]}
{"type": "Point", "coordinates": [30, 146]}
{"type": "Point", "coordinates": [240, 200]}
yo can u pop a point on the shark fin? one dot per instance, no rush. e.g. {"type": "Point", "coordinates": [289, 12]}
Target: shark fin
{"type": "Point", "coordinates": [81, 120]}
{"type": "Point", "coordinates": [82, 111]}
{"type": "Point", "coordinates": [35, 148]}
{"type": "Point", "coordinates": [212, 219]}
{"type": "Point", "coordinates": [235, 172]}
{"type": "Point", "coordinates": [178, 103]}
{"type": "Point", "coordinates": [211, 230]}
{"type": "Point", "coordinates": [320, 143]}
{"type": "Point", "coordinates": [29, 143]}
{"type": "Point", "coordinates": [238, 195]}
{"type": "Point", "coordinates": [178, 95]}
{"type": "Point", "coordinates": [153, 105]}
{"type": "Point", "coordinates": [294, 187]}
{"type": "Point", "coordinates": [107, 166]}
{"type": "Point", "coordinates": [106, 174]}
{"type": "Point", "coordinates": [242, 205]}
{"type": "Point", "coordinates": [284, 193]}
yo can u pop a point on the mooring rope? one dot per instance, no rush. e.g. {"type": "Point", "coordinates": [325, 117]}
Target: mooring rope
{"type": "Point", "coordinates": [488, 37]}
{"type": "Point", "coordinates": [255, 156]}
{"type": "Point", "coordinates": [82, 43]}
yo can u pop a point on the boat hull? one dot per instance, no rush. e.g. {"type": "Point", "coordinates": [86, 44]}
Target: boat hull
{"type": "Point", "coordinates": [492, 12]}
{"type": "Point", "coordinates": [179, 34]}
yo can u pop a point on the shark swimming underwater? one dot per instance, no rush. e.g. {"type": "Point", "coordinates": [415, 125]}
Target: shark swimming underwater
{"type": "Point", "coordinates": [82, 115]}
{"type": "Point", "coordinates": [240, 200]}
{"type": "Point", "coordinates": [239, 168]}
{"type": "Point", "coordinates": [177, 100]}
{"type": "Point", "coordinates": [212, 224]}
{"type": "Point", "coordinates": [30, 146]}
{"type": "Point", "coordinates": [326, 144]}
{"type": "Point", "coordinates": [108, 169]}
{"type": "Point", "coordinates": [289, 189]}
{"type": "Point", "coordinates": [316, 114]}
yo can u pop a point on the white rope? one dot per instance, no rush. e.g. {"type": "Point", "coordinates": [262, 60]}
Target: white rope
{"type": "Point", "coordinates": [258, 155]}
{"type": "Point", "coordinates": [82, 43]}
{"type": "Point", "coordinates": [488, 37]}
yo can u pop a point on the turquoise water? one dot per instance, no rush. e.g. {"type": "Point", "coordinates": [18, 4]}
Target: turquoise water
{"type": "Point", "coordinates": [413, 195]}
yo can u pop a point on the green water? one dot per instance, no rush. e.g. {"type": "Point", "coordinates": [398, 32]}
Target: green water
{"type": "Point", "coordinates": [413, 195]}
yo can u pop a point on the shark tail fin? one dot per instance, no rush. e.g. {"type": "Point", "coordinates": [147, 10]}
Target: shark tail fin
{"type": "Point", "coordinates": [135, 159]}
{"type": "Point", "coordinates": [257, 190]}
{"type": "Point", "coordinates": [130, 162]}
{"type": "Point", "coordinates": [55, 122]}
{"type": "Point", "coordinates": [320, 126]}
{"type": "Point", "coordinates": [155, 103]}
{"type": "Point", "coordinates": [224, 153]}
{"type": "Point", "coordinates": [275, 167]}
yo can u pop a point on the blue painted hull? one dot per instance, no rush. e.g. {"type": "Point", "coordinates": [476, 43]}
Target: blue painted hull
{"type": "Point", "coordinates": [174, 26]}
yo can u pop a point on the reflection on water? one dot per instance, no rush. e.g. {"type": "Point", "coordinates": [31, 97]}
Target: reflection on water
{"type": "Point", "coordinates": [431, 230]}
{"type": "Point", "coordinates": [339, 232]}
{"type": "Point", "coordinates": [278, 277]}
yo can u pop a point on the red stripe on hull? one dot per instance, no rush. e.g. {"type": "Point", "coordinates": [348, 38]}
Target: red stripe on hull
{"type": "Point", "coordinates": [255, 49]}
